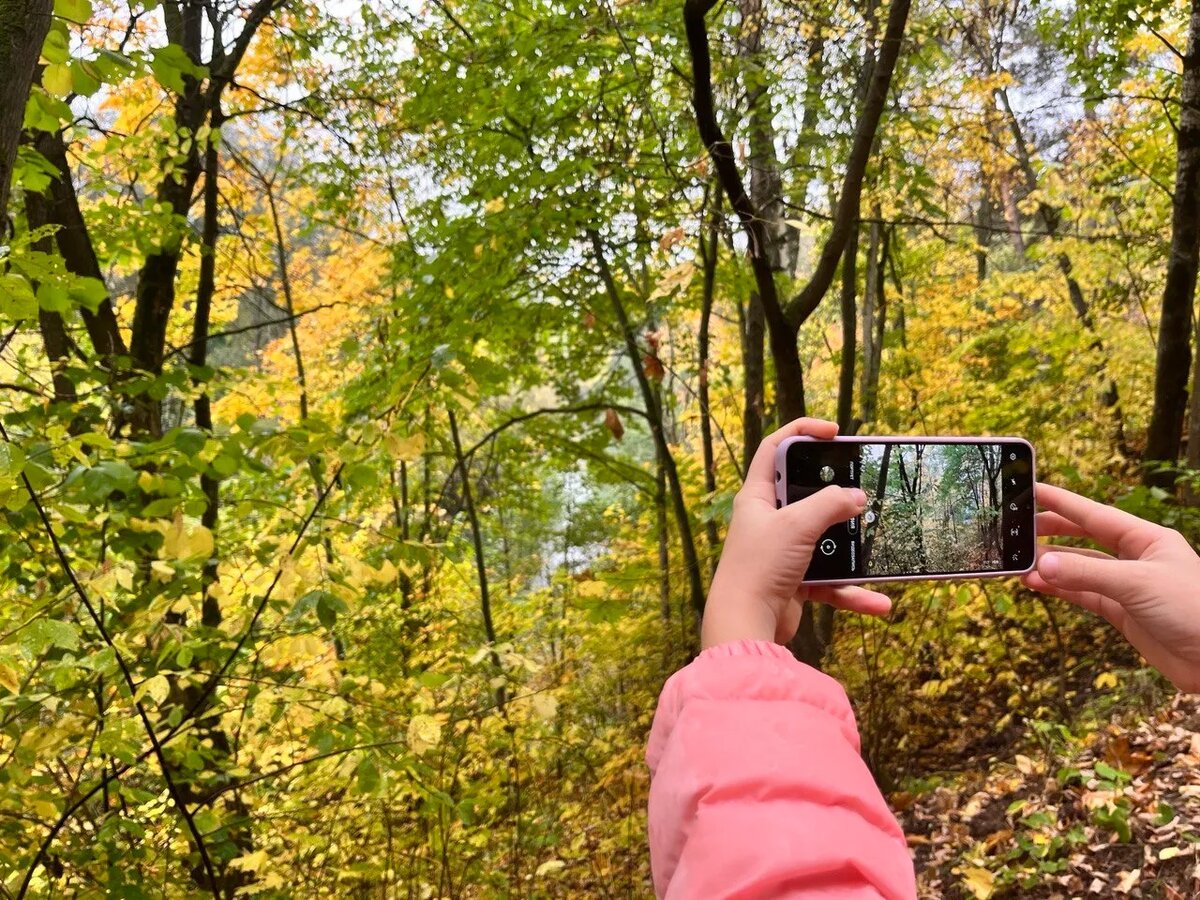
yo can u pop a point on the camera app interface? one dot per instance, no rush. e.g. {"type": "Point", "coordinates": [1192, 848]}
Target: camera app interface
{"type": "Point", "coordinates": [932, 508]}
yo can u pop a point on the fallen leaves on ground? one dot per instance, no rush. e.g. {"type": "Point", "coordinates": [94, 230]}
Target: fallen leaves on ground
{"type": "Point", "coordinates": [1115, 813]}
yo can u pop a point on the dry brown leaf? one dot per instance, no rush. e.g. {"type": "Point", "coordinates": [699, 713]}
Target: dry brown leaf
{"type": "Point", "coordinates": [1128, 881]}
{"type": "Point", "coordinates": [613, 423]}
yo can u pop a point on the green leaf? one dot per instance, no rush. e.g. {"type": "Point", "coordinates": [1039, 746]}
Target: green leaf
{"type": "Point", "coordinates": [17, 301]}
{"type": "Point", "coordinates": [170, 64]}
{"type": "Point", "coordinates": [46, 633]}
{"type": "Point", "coordinates": [368, 775]}
{"type": "Point", "coordinates": [45, 113]}
{"type": "Point", "coordinates": [224, 465]}
{"type": "Point", "coordinates": [78, 11]}
{"type": "Point", "coordinates": [56, 79]}
{"type": "Point", "coordinates": [57, 46]}
{"type": "Point", "coordinates": [84, 77]}
{"type": "Point", "coordinates": [1104, 770]}
{"type": "Point", "coordinates": [103, 479]}
{"type": "Point", "coordinates": [53, 298]}
{"type": "Point", "coordinates": [328, 608]}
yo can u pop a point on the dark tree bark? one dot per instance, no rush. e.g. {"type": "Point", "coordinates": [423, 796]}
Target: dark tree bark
{"type": "Point", "coordinates": [75, 247]}
{"type": "Point", "coordinates": [845, 399]}
{"type": "Point", "coordinates": [753, 330]}
{"type": "Point", "coordinates": [54, 331]}
{"type": "Point", "coordinates": [1175, 326]}
{"type": "Point", "coordinates": [198, 356]}
{"type": "Point", "coordinates": [23, 27]}
{"type": "Point", "coordinates": [664, 543]}
{"type": "Point", "coordinates": [874, 316]}
{"type": "Point", "coordinates": [709, 248]}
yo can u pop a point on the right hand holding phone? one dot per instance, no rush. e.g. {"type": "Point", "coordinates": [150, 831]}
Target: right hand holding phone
{"type": "Point", "coordinates": [1150, 590]}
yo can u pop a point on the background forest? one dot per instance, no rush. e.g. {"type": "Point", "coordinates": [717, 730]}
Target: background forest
{"type": "Point", "coordinates": [375, 380]}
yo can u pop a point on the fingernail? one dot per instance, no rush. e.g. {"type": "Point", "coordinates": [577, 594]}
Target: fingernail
{"type": "Point", "coordinates": [860, 496]}
{"type": "Point", "coordinates": [1050, 565]}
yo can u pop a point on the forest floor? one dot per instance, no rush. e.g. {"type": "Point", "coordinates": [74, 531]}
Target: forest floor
{"type": "Point", "coordinates": [1110, 809]}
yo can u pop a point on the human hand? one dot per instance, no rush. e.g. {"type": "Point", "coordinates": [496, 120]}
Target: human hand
{"type": "Point", "coordinates": [1150, 591]}
{"type": "Point", "coordinates": [757, 593]}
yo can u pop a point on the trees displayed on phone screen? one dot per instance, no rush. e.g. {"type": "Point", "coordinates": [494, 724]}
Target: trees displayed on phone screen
{"type": "Point", "coordinates": [932, 508]}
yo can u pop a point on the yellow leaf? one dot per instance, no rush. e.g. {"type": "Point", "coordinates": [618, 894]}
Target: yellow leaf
{"type": "Point", "coordinates": [251, 862]}
{"type": "Point", "coordinates": [545, 705]}
{"type": "Point", "coordinates": [980, 882]}
{"type": "Point", "coordinates": [161, 571]}
{"type": "Point", "coordinates": [1106, 680]}
{"type": "Point", "coordinates": [156, 687]}
{"type": "Point", "coordinates": [549, 867]}
{"type": "Point", "coordinates": [424, 733]}
{"type": "Point", "coordinates": [494, 206]}
{"type": "Point", "coordinates": [182, 541]}
{"type": "Point", "coordinates": [9, 679]}
{"type": "Point", "coordinates": [405, 448]}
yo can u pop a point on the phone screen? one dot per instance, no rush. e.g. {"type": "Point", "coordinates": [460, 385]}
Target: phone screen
{"type": "Point", "coordinates": [933, 507]}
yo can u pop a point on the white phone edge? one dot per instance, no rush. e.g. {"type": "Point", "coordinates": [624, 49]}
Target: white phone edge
{"type": "Point", "coordinates": [781, 495]}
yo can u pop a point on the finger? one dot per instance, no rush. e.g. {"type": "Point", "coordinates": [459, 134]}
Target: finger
{"type": "Point", "coordinates": [1064, 570]}
{"type": "Point", "coordinates": [1051, 524]}
{"type": "Point", "coordinates": [760, 478]}
{"type": "Point", "coordinates": [1043, 549]}
{"type": "Point", "coordinates": [807, 519]}
{"type": "Point", "coordinates": [1112, 528]}
{"type": "Point", "coordinates": [852, 599]}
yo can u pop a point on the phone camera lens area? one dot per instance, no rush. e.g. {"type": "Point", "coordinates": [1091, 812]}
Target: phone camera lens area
{"type": "Point", "coordinates": [827, 474]}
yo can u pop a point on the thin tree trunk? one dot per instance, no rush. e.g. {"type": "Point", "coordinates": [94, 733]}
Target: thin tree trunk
{"type": "Point", "coordinates": [23, 27]}
{"type": "Point", "coordinates": [709, 249]}
{"type": "Point", "coordinates": [654, 417]}
{"type": "Point", "coordinates": [664, 542]}
{"type": "Point", "coordinates": [753, 378]}
{"type": "Point", "coordinates": [873, 318]}
{"type": "Point", "coordinates": [1175, 326]}
{"type": "Point", "coordinates": [198, 356]}
{"type": "Point", "coordinates": [51, 325]}
{"type": "Point", "coordinates": [845, 399]}
{"type": "Point", "coordinates": [485, 602]}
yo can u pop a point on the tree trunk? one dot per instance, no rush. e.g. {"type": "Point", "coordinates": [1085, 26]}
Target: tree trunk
{"type": "Point", "coordinates": [1175, 326]}
{"type": "Point", "coordinates": [709, 248]}
{"type": "Point", "coordinates": [75, 247]}
{"type": "Point", "coordinates": [485, 602]}
{"type": "Point", "coordinates": [654, 417]}
{"type": "Point", "coordinates": [874, 317]}
{"type": "Point", "coordinates": [664, 543]}
{"type": "Point", "coordinates": [753, 378]}
{"type": "Point", "coordinates": [845, 400]}
{"type": "Point", "coordinates": [23, 27]}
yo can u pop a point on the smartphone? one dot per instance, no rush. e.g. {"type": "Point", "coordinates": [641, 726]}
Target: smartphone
{"type": "Point", "coordinates": [937, 507]}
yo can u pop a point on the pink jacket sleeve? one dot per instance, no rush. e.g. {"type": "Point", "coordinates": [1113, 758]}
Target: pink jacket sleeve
{"type": "Point", "coordinates": [757, 787]}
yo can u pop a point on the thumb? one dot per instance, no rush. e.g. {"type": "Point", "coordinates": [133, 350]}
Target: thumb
{"type": "Point", "coordinates": [1115, 578]}
{"type": "Point", "coordinates": [809, 518]}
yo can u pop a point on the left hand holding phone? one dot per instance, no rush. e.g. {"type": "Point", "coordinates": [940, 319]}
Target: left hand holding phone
{"type": "Point", "coordinates": [757, 592]}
